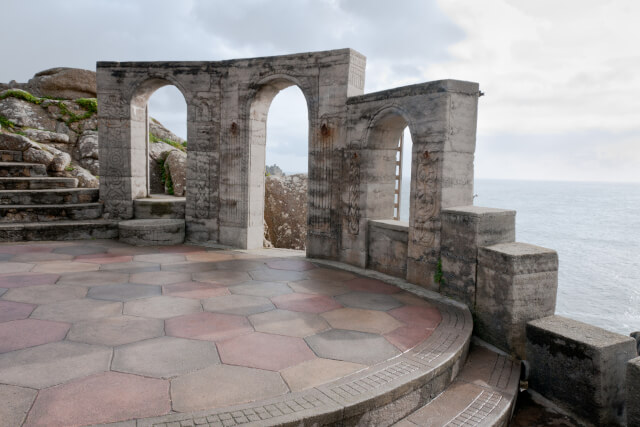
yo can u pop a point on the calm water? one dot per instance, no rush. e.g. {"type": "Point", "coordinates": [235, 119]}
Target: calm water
{"type": "Point", "coordinates": [595, 228]}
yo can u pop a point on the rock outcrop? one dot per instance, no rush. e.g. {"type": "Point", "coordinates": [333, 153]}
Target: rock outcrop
{"type": "Point", "coordinates": [61, 82]}
{"type": "Point", "coordinates": [285, 211]}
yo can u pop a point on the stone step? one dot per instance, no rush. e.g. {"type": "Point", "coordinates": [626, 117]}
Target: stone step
{"type": "Point", "coordinates": [152, 232]}
{"type": "Point", "coordinates": [169, 207]}
{"type": "Point", "coordinates": [59, 230]}
{"type": "Point", "coordinates": [54, 196]}
{"type": "Point", "coordinates": [39, 183]}
{"type": "Point", "coordinates": [483, 394]}
{"type": "Point", "coordinates": [22, 169]}
{"type": "Point", "coordinates": [10, 156]}
{"type": "Point", "coordinates": [44, 213]}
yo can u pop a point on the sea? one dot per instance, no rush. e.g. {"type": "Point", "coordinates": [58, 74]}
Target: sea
{"type": "Point", "coordinates": [594, 227]}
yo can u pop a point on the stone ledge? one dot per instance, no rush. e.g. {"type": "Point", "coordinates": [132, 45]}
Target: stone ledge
{"type": "Point", "coordinates": [390, 224]}
{"type": "Point", "coordinates": [152, 232]}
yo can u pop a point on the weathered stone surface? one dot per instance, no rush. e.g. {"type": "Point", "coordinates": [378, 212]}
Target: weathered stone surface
{"type": "Point", "coordinates": [580, 367]}
{"type": "Point", "coordinates": [46, 136]}
{"type": "Point", "coordinates": [176, 166]}
{"type": "Point", "coordinates": [26, 114]}
{"type": "Point", "coordinates": [151, 232]}
{"type": "Point", "coordinates": [464, 230]}
{"type": "Point", "coordinates": [517, 282]}
{"type": "Point", "coordinates": [62, 82]}
{"type": "Point", "coordinates": [388, 247]}
{"type": "Point", "coordinates": [633, 392]}
{"type": "Point", "coordinates": [85, 178]}
{"type": "Point", "coordinates": [16, 404]}
{"type": "Point", "coordinates": [158, 152]}
{"type": "Point", "coordinates": [88, 151]}
{"type": "Point", "coordinates": [285, 211]}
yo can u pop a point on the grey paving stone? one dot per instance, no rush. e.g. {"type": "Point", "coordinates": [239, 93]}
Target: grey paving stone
{"type": "Point", "coordinates": [5, 257]}
{"type": "Point", "coordinates": [243, 305]}
{"type": "Point", "coordinates": [43, 294]}
{"type": "Point", "coordinates": [352, 346]}
{"type": "Point", "coordinates": [54, 363]}
{"type": "Point", "coordinates": [76, 310]}
{"type": "Point", "coordinates": [162, 307]}
{"type": "Point", "coordinates": [368, 300]}
{"type": "Point", "coordinates": [131, 267]}
{"type": "Point", "coordinates": [16, 402]}
{"type": "Point", "coordinates": [93, 278]}
{"type": "Point", "coordinates": [113, 331]}
{"type": "Point", "coordinates": [2, 291]}
{"type": "Point", "coordinates": [80, 250]}
{"type": "Point", "coordinates": [189, 267]}
{"type": "Point", "coordinates": [165, 357]}
{"type": "Point", "coordinates": [261, 289]}
{"type": "Point", "coordinates": [124, 292]}
{"type": "Point", "coordinates": [269, 275]}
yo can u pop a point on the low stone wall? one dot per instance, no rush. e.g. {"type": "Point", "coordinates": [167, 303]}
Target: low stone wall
{"type": "Point", "coordinates": [387, 249]}
{"type": "Point", "coordinates": [581, 368]}
{"type": "Point", "coordinates": [633, 392]}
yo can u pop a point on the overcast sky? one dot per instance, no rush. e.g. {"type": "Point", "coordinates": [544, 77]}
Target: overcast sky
{"type": "Point", "coordinates": [561, 77]}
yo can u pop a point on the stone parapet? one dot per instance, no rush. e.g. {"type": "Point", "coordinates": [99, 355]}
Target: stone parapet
{"type": "Point", "coordinates": [633, 392]}
{"type": "Point", "coordinates": [581, 367]}
{"type": "Point", "coordinates": [516, 283]}
{"type": "Point", "coordinates": [464, 230]}
{"type": "Point", "coordinates": [388, 247]}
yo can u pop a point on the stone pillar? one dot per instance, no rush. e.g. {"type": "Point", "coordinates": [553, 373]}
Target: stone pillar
{"type": "Point", "coordinates": [464, 230]}
{"type": "Point", "coordinates": [517, 282]}
{"type": "Point", "coordinates": [633, 392]}
{"type": "Point", "coordinates": [581, 368]}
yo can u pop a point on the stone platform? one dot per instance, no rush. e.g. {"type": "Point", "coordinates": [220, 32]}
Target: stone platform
{"type": "Point", "coordinates": [99, 332]}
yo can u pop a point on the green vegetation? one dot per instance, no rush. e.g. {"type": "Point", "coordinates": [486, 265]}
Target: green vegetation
{"type": "Point", "coordinates": [438, 276]}
{"type": "Point", "coordinates": [21, 94]}
{"type": "Point", "coordinates": [176, 144]}
{"type": "Point", "coordinates": [6, 123]}
{"type": "Point", "coordinates": [69, 168]}
{"type": "Point", "coordinates": [166, 176]}
{"type": "Point", "coordinates": [90, 105]}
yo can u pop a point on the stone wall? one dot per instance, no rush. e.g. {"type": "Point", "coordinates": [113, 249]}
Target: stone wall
{"type": "Point", "coordinates": [387, 247]}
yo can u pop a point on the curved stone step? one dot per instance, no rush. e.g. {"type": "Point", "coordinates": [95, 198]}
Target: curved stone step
{"type": "Point", "coordinates": [22, 169]}
{"type": "Point", "coordinates": [152, 232]}
{"type": "Point", "coordinates": [10, 156]}
{"type": "Point", "coordinates": [43, 213]}
{"type": "Point", "coordinates": [36, 183]}
{"type": "Point", "coordinates": [49, 197]}
{"type": "Point", "coordinates": [170, 207]}
{"type": "Point", "coordinates": [484, 394]}
{"type": "Point", "coordinates": [59, 230]}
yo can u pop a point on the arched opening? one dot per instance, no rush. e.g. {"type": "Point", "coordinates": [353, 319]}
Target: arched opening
{"type": "Point", "coordinates": [288, 149]}
{"type": "Point", "coordinates": [158, 137]}
{"type": "Point", "coordinates": [404, 176]}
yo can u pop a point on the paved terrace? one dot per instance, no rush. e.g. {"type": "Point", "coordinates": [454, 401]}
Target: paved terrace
{"type": "Point", "coordinates": [100, 332]}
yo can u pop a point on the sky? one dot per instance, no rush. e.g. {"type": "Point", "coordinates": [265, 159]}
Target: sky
{"type": "Point", "coordinates": [561, 81]}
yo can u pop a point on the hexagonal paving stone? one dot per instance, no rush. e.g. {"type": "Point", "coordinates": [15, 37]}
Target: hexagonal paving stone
{"type": "Point", "coordinates": [44, 294]}
{"type": "Point", "coordinates": [27, 279]}
{"type": "Point", "coordinates": [291, 265]}
{"type": "Point", "coordinates": [18, 334]}
{"type": "Point", "coordinates": [41, 257]}
{"type": "Point", "coordinates": [368, 301]}
{"type": "Point", "coordinates": [241, 265]}
{"type": "Point", "coordinates": [164, 357]}
{"type": "Point", "coordinates": [54, 363]}
{"type": "Point", "coordinates": [197, 290]}
{"type": "Point", "coordinates": [261, 289]}
{"type": "Point", "coordinates": [160, 258]}
{"type": "Point", "coordinates": [352, 346]}
{"type": "Point", "coordinates": [77, 309]}
{"type": "Point", "coordinates": [407, 337]}
{"type": "Point", "coordinates": [104, 258]}
{"type": "Point", "coordinates": [306, 302]}
{"type": "Point", "coordinates": [213, 256]}
{"type": "Point", "coordinates": [426, 317]}
{"type": "Point", "coordinates": [408, 298]}
{"type": "Point", "coordinates": [2, 291]}
{"type": "Point", "coordinates": [64, 267]}
{"type": "Point", "coordinates": [93, 278]}
{"type": "Point", "coordinates": [189, 267]}
{"type": "Point", "coordinates": [283, 322]}
{"type": "Point", "coordinates": [364, 284]}
{"type": "Point", "coordinates": [102, 398]}
{"type": "Point", "coordinates": [27, 248]}
{"type": "Point", "coordinates": [10, 310]}
{"type": "Point", "coordinates": [227, 278]}
{"type": "Point", "coordinates": [242, 305]}
{"type": "Point", "coordinates": [264, 351]}
{"type": "Point", "coordinates": [208, 326]}
{"type": "Point", "coordinates": [269, 275]}
{"type": "Point", "coordinates": [160, 277]}
{"type": "Point", "coordinates": [356, 319]}
{"type": "Point", "coordinates": [162, 307]}
{"type": "Point", "coordinates": [223, 385]}
{"type": "Point", "coordinates": [321, 287]}
{"type": "Point", "coordinates": [330, 274]}
{"type": "Point", "coordinates": [131, 267]}
{"type": "Point", "coordinates": [117, 330]}
{"type": "Point", "coordinates": [16, 402]}
{"type": "Point", "coordinates": [318, 371]}
{"type": "Point", "coordinates": [180, 249]}
{"type": "Point", "coordinates": [80, 250]}
{"type": "Point", "coordinates": [123, 292]}
{"type": "Point", "coordinates": [6, 257]}
{"type": "Point", "coordinates": [16, 267]}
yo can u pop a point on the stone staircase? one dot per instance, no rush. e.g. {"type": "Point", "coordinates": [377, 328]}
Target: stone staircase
{"type": "Point", "coordinates": [35, 206]}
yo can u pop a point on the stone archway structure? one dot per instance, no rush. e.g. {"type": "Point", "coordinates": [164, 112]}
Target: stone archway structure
{"type": "Point", "coordinates": [227, 104]}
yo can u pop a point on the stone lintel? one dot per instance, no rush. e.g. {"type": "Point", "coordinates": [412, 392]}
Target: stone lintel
{"type": "Point", "coordinates": [437, 86]}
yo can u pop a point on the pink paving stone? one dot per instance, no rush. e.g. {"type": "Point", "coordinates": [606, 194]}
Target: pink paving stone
{"type": "Point", "coordinates": [102, 398]}
{"type": "Point", "coordinates": [291, 264]}
{"type": "Point", "coordinates": [10, 310]}
{"type": "Point", "coordinates": [425, 317]}
{"type": "Point", "coordinates": [18, 334]}
{"type": "Point", "coordinates": [197, 290]}
{"type": "Point", "coordinates": [308, 303]}
{"type": "Point", "coordinates": [407, 337]}
{"type": "Point", "coordinates": [104, 258]}
{"type": "Point", "coordinates": [371, 285]}
{"type": "Point", "coordinates": [24, 249]}
{"type": "Point", "coordinates": [208, 326]}
{"type": "Point", "coordinates": [264, 351]}
{"type": "Point", "coordinates": [180, 249]}
{"type": "Point", "coordinates": [27, 279]}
